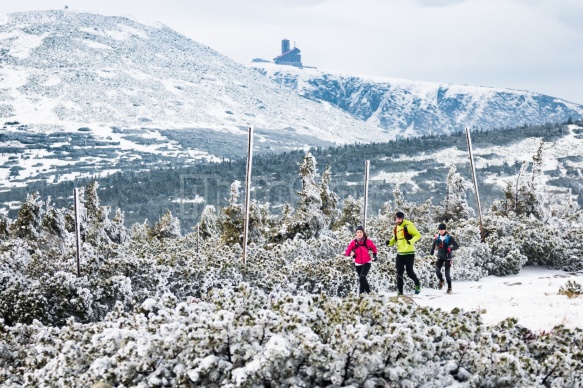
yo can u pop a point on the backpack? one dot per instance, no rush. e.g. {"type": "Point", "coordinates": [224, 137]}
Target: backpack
{"type": "Point", "coordinates": [443, 243]}
{"type": "Point", "coordinates": [406, 233]}
{"type": "Point", "coordinates": [361, 245]}
{"type": "Point", "coordinates": [356, 245]}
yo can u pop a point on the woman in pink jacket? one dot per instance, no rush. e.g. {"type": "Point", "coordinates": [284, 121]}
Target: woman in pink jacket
{"type": "Point", "coordinates": [358, 249]}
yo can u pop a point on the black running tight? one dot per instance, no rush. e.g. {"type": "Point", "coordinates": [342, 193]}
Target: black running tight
{"type": "Point", "coordinates": [405, 262]}
{"type": "Point", "coordinates": [438, 265]}
{"type": "Point", "coordinates": [362, 271]}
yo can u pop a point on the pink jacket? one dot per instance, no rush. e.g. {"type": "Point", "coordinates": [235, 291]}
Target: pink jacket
{"type": "Point", "coordinates": [361, 251]}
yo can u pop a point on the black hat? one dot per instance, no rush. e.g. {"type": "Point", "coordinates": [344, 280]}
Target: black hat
{"type": "Point", "coordinates": [442, 227]}
{"type": "Point", "coordinates": [359, 227]}
{"type": "Point", "coordinates": [399, 215]}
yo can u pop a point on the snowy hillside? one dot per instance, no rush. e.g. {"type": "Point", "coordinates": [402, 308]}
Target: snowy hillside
{"type": "Point", "coordinates": [65, 70]}
{"type": "Point", "coordinates": [411, 108]}
{"type": "Point", "coordinates": [84, 94]}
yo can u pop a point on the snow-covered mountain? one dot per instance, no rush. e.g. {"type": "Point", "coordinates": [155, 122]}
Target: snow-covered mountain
{"type": "Point", "coordinates": [84, 94]}
{"type": "Point", "coordinates": [65, 70]}
{"type": "Point", "coordinates": [411, 108]}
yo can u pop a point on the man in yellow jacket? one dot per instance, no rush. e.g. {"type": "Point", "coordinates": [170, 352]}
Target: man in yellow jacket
{"type": "Point", "coordinates": [405, 234]}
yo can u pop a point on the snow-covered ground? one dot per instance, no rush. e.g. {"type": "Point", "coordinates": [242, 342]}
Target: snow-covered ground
{"type": "Point", "coordinates": [532, 297]}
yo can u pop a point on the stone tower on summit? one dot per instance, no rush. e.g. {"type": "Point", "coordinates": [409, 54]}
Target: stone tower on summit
{"type": "Point", "coordinates": [289, 57]}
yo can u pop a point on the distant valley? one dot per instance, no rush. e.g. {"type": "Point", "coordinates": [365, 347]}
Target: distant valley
{"type": "Point", "coordinates": [419, 166]}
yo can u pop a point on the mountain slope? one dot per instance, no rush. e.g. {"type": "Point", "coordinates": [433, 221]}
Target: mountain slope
{"type": "Point", "coordinates": [416, 108]}
{"type": "Point", "coordinates": [64, 69]}
{"type": "Point", "coordinates": [84, 94]}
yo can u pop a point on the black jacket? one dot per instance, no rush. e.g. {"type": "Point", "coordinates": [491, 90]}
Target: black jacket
{"type": "Point", "coordinates": [444, 247]}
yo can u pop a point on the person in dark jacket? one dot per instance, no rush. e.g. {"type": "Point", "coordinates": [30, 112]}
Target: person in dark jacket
{"type": "Point", "coordinates": [443, 245]}
{"type": "Point", "coordinates": [359, 250]}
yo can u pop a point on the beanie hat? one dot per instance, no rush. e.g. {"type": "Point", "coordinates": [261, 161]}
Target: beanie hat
{"type": "Point", "coordinates": [400, 215]}
{"type": "Point", "coordinates": [359, 227]}
{"type": "Point", "coordinates": [442, 227]}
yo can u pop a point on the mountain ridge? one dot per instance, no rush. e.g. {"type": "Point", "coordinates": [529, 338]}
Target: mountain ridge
{"type": "Point", "coordinates": [414, 108]}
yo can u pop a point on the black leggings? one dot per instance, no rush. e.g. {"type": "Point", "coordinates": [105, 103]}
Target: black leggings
{"type": "Point", "coordinates": [362, 271]}
{"type": "Point", "coordinates": [405, 261]}
{"type": "Point", "coordinates": [438, 266]}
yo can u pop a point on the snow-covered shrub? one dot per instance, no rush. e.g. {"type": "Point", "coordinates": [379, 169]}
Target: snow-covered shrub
{"type": "Point", "coordinates": [571, 289]}
{"type": "Point", "coordinates": [43, 286]}
{"type": "Point", "coordinates": [506, 258]}
{"type": "Point", "coordinates": [167, 227]}
{"type": "Point", "coordinates": [244, 337]}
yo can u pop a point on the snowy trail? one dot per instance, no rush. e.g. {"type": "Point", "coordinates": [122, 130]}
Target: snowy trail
{"type": "Point", "coordinates": [532, 297]}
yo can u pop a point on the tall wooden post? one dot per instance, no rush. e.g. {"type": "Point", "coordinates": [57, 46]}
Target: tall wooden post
{"type": "Point", "coordinates": [77, 229]}
{"type": "Point", "coordinates": [472, 165]}
{"type": "Point", "coordinates": [366, 175]}
{"type": "Point", "coordinates": [247, 193]}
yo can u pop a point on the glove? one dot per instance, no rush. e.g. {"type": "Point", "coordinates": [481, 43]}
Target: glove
{"type": "Point", "coordinates": [374, 257]}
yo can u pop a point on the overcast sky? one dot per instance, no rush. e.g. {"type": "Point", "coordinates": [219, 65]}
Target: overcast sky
{"type": "Point", "coordinates": [534, 45]}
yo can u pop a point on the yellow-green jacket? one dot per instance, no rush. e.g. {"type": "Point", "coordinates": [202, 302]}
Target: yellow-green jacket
{"type": "Point", "coordinates": [403, 246]}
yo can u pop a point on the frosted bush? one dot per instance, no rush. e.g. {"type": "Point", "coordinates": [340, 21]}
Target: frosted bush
{"type": "Point", "coordinates": [245, 337]}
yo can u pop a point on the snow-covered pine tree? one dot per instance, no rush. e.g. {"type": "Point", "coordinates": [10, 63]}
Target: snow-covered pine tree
{"type": "Point", "coordinates": [4, 227]}
{"type": "Point", "coordinates": [95, 221]}
{"type": "Point", "coordinates": [531, 191]}
{"type": "Point", "coordinates": [53, 221]}
{"type": "Point", "coordinates": [261, 222]}
{"type": "Point", "coordinates": [28, 223]}
{"type": "Point", "coordinates": [94, 211]}
{"type": "Point", "coordinates": [506, 206]}
{"type": "Point", "coordinates": [527, 201]}
{"type": "Point", "coordinates": [455, 204]}
{"type": "Point", "coordinates": [351, 214]}
{"type": "Point", "coordinates": [208, 223]}
{"type": "Point", "coordinates": [282, 228]}
{"type": "Point", "coordinates": [308, 219]}
{"type": "Point", "coordinates": [525, 196]}
{"type": "Point", "coordinates": [329, 198]}
{"type": "Point", "coordinates": [507, 258]}
{"type": "Point", "coordinates": [116, 231]}
{"type": "Point", "coordinates": [140, 232]}
{"type": "Point", "coordinates": [167, 227]}
{"type": "Point", "coordinates": [231, 218]}
{"type": "Point", "coordinates": [54, 233]}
